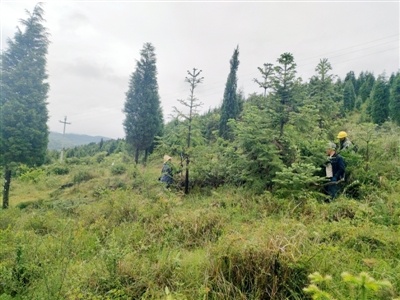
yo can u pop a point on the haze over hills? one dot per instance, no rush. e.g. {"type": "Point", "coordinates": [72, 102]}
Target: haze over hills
{"type": "Point", "coordinates": [70, 140]}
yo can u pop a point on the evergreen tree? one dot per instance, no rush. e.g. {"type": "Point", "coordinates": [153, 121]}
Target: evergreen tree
{"type": "Point", "coordinates": [142, 108]}
{"type": "Point", "coordinates": [349, 96]}
{"type": "Point", "coordinates": [366, 86]}
{"type": "Point", "coordinates": [380, 101]}
{"type": "Point", "coordinates": [230, 108]}
{"type": "Point", "coordinates": [322, 92]}
{"type": "Point", "coordinates": [284, 83]}
{"type": "Point", "coordinates": [267, 74]}
{"type": "Point", "coordinates": [350, 76]}
{"type": "Point", "coordinates": [394, 101]}
{"type": "Point", "coordinates": [23, 114]}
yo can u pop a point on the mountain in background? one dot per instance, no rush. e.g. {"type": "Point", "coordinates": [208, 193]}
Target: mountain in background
{"type": "Point", "coordinates": [71, 140]}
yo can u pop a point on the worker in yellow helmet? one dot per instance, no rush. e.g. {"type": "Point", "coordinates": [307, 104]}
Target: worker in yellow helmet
{"type": "Point", "coordinates": [344, 142]}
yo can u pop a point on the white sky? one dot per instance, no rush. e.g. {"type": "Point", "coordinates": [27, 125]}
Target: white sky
{"type": "Point", "coordinates": [95, 45]}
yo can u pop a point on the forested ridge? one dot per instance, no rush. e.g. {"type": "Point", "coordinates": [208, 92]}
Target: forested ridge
{"type": "Point", "coordinates": [246, 217]}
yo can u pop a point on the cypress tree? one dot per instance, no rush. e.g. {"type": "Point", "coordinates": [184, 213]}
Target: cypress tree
{"type": "Point", "coordinates": [230, 108]}
{"type": "Point", "coordinates": [23, 114]}
{"type": "Point", "coordinates": [142, 108]}
{"type": "Point", "coordinates": [380, 101]}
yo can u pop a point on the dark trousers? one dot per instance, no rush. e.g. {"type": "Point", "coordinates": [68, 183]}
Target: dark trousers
{"type": "Point", "coordinates": [332, 188]}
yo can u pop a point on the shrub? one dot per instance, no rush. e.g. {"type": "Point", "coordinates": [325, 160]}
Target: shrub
{"type": "Point", "coordinates": [82, 176]}
{"type": "Point", "coordinates": [31, 174]}
{"type": "Point", "coordinates": [58, 169]}
{"type": "Point", "coordinates": [297, 181]}
{"type": "Point", "coordinates": [118, 169]}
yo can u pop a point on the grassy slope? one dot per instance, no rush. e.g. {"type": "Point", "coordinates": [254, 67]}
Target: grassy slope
{"type": "Point", "coordinates": [123, 236]}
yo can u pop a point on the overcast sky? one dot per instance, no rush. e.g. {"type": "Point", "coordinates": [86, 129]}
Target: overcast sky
{"type": "Point", "coordinates": [95, 45]}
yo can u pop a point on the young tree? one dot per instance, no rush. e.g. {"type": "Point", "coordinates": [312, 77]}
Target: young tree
{"type": "Point", "coordinates": [322, 92]}
{"type": "Point", "coordinates": [284, 83]}
{"type": "Point", "coordinates": [230, 108]}
{"type": "Point", "coordinates": [380, 101]}
{"type": "Point", "coordinates": [192, 103]}
{"type": "Point", "coordinates": [23, 114]}
{"type": "Point", "coordinates": [394, 102]}
{"type": "Point", "coordinates": [267, 74]}
{"type": "Point", "coordinates": [142, 108]}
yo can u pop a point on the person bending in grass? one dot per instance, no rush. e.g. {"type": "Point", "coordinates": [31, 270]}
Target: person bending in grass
{"type": "Point", "coordinates": [335, 170]}
{"type": "Point", "coordinates": [167, 171]}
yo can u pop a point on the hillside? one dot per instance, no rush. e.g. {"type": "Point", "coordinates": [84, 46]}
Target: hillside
{"type": "Point", "coordinates": [100, 227]}
{"type": "Point", "coordinates": [70, 140]}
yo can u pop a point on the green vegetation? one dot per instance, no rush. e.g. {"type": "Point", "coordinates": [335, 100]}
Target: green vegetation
{"type": "Point", "coordinates": [255, 224]}
{"type": "Point", "coordinates": [107, 229]}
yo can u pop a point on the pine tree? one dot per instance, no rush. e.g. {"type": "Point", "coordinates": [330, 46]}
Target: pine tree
{"type": "Point", "coordinates": [267, 74]}
{"type": "Point", "coordinates": [322, 92]}
{"type": "Point", "coordinates": [284, 83]}
{"type": "Point", "coordinates": [142, 108]}
{"type": "Point", "coordinates": [394, 102]}
{"type": "Point", "coordinates": [230, 108]}
{"type": "Point", "coordinates": [23, 114]}
{"type": "Point", "coordinates": [380, 101]}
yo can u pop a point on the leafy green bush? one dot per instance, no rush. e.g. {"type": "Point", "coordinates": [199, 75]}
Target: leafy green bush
{"type": "Point", "coordinates": [118, 169]}
{"type": "Point", "coordinates": [33, 175]}
{"type": "Point", "coordinates": [82, 176]}
{"type": "Point", "coordinates": [59, 169]}
{"type": "Point", "coordinates": [297, 181]}
{"type": "Point", "coordinates": [99, 157]}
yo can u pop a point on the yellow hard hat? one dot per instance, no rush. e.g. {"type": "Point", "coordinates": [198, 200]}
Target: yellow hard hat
{"type": "Point", "coordinates": [342, 135]}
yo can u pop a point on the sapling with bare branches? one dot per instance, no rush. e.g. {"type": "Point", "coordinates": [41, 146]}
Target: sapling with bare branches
{"type": "Point", "coordinates": [192, 103]}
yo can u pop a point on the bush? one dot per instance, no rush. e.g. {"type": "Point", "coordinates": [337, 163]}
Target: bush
{"type": "Point", "coordinates": [82, 176]}
{"type": "Point", "coordinates": [58, 169]}
{"type": "Point", "coordinates": [118, 169]}
{"type": "Point", "coordinates": [27, 174]}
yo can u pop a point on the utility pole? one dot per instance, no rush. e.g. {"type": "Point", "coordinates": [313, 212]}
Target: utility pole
{"type": "Point", "coordinates": [62, 142]}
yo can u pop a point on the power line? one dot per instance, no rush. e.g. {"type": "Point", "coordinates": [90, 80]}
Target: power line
{"type": "Point", "coordinates": [215, 87]}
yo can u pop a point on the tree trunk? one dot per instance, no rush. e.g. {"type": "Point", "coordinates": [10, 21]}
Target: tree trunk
{"type": "Point", "coordinates": [187, 182]}
{"type": "Point", "coordinates": [7, 181]}
{"type": "Point", "coordinates": [146, 154]}
{"type": "Point", "coordinates": [187, 176]}
{"type": "Point", "coordinates": [137, 155]}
